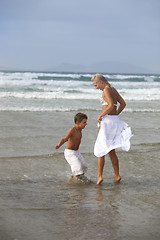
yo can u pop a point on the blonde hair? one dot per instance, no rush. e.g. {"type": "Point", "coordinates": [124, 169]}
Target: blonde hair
{"type": "Point", "coordinates": [99, 77]}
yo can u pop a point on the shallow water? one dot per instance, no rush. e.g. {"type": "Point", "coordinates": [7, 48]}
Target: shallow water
{"type": "Point", "coordinates": [55, 207]}
{"type": "Point", "coordinates": [39, 200]}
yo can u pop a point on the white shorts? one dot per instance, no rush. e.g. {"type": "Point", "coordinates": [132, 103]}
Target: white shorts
{"type": "Point", "coordinates": [76, 161]}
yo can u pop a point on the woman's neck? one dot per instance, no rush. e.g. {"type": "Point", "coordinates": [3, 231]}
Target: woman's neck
{"type": "Point", "coordinates": [104, 86]}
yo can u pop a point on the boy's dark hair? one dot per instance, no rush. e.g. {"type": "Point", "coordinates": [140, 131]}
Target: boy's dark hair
{"type": "Point", "coordinates": [79, 117]}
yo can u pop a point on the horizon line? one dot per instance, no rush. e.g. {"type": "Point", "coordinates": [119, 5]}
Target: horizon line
{"type": "Point", "coordinates": [68, 71]}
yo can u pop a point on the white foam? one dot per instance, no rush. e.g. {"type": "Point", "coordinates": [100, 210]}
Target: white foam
{"type": "Point", "coordinates": [47, 95]}
{"type": "Point", "coordinates": [67, 109]}
{"type": "Point", "coordinates": [35, 75]}
{"type": "Point", "coordinates": [44, 91]}
{"type": "Point", "coordinates": [46, 109]}
{"type": "Point", "coordinates": [147, 78]}
{"type": "Point", "coordinates": [59, 93]}
{"type": "Point", "coordinates": [141, 110]}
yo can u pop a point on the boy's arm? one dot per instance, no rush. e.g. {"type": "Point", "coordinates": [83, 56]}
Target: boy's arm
{"type": "Point", "coordinates": [64, 139]}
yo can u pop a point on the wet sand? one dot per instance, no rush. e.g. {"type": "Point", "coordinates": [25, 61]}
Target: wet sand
{"type": "Point", "coordinates": [38, 199]}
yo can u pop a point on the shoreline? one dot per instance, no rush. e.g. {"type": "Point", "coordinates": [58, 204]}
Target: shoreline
{"type": "Point", "coordinates": [36, 191]}
{"type": "Point", "coordinates": [34, 133]}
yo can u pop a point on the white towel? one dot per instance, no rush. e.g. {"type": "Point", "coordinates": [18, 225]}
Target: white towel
{"type": "Point", "coordinates": [113, 134]}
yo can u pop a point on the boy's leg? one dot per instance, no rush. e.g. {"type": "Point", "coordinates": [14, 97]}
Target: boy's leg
{"type": "Point", "coordinates": [83, 163]}
{"type": "Point", "coordinates": [100, 165]}
{"type": "Point", "coordinates": [72, 158]}
{"type": "Point", "coordinates": [115, 164]}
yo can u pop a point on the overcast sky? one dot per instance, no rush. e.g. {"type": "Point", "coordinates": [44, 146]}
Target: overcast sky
{"type": "Point", "coordinates": [80, 35]}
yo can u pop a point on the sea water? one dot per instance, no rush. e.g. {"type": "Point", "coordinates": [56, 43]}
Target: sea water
{"type": "Point", "coordinates": [31, 91]}
{"type": "Point", "coordinates": [39, 200]}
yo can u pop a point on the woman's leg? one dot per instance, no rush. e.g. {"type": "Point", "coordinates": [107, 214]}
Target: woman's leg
{"type": "Point", "coordinates": [100, 165]}
{"type": "Point", "coordinates": [115, 164]}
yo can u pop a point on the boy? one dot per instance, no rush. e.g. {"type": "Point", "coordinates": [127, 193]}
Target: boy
{"type": "Point", "coordinates": [73, 139]}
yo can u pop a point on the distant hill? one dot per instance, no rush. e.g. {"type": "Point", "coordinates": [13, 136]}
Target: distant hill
{"type": "Point", "coordinates": [104, 66]}
{"type": "Point", "coordinates": [101, 67]}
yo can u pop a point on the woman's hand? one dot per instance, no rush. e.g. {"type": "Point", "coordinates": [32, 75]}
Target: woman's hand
{"type": "Point", "coordinates": [99, 119]}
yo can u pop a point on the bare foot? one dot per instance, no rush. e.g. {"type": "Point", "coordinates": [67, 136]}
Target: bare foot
{"type": "Point", "coordinates": [99, 180]}
{"type": "Point", "coordinates": [117, 179]}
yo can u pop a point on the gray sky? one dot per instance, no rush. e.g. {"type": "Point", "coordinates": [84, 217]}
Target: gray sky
{"type": "Point", "coordinates": [80, 35]}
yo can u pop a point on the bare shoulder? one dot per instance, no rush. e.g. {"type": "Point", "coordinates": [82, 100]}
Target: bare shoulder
{"type": "Point", "coordinates": [115, 91]}
{"type": "Point", "coordinates": [107, 90]}
{"type": "Point", "coordinates": [72, 130]}
{"type": "Point", "coordinates": [118, 96]}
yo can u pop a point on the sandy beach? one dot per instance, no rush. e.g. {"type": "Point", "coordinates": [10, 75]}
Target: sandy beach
{"type": "Point", "coordinates": [50, 52]}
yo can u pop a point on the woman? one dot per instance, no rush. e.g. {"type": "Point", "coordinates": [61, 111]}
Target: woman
{"type": "Point", "coordinates": [113, 133]}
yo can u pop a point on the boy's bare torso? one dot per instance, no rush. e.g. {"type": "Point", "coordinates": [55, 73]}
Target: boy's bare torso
{"type": "Point", "coordinates": [74, 139]}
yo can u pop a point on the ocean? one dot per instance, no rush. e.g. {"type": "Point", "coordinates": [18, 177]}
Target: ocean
{"type": "Point", "coordinates": [38, 198]}
{"type": "Point", "coordinates": [31, 91]}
